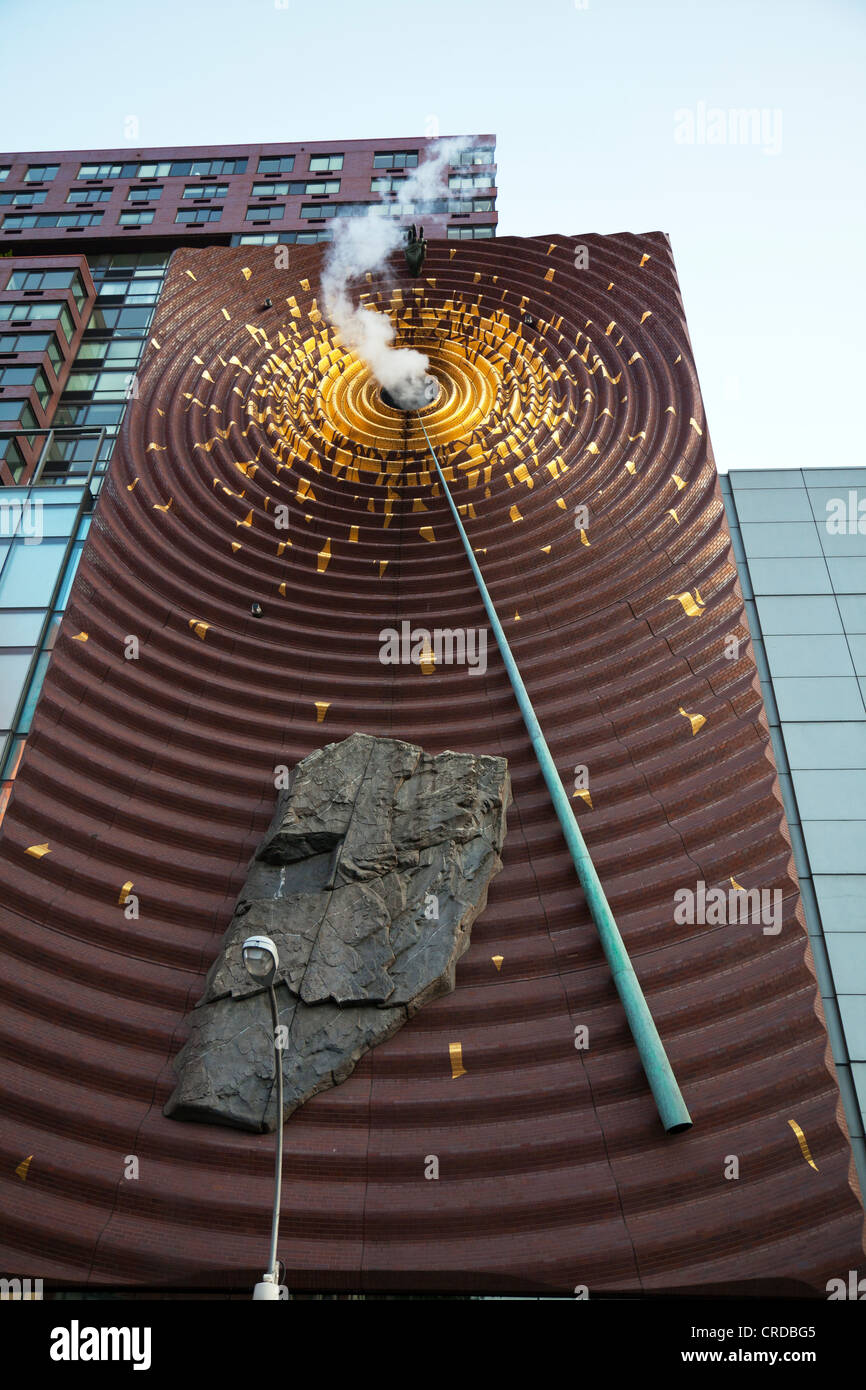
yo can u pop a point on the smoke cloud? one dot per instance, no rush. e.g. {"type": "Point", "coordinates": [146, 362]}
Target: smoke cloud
{"type": "Point", "coordinates": [364, 244]}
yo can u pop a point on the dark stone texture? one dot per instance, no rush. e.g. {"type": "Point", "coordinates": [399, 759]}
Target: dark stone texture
{"type": "Point", "coordinates": [368, 880]}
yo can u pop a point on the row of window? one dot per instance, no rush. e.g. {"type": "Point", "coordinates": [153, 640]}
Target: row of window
{"type": "Point", "coordinates": [285, 238]}
{"type": "Point", "coordinates": [170, 168]}
{"type": "Point", "coordinates": [13, 222]}
{"type": "Point", "coordinates": [24, 199]}
{"type": "Point", "coordinates": [214, 168]}
{"type": "Point", "coordinates": [434, 205]}
{"type": "Point", "coordinates": [324, 234]}
{"type": "Point", "coordinates": [321, 212]}
{"type": "Point", "coordinates": [302, 188]}
{"type": "Point", "coordinates": [254, 213]}
{"type": "Point", "coordinates": [20, 199]}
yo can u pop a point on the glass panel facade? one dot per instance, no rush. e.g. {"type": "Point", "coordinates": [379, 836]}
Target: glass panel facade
{"type": "Point", "coordinates": [37, 524]}
{"type": "Point", "coordinates": [803, 554]}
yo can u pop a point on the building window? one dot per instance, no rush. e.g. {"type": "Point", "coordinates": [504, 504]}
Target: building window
{"type": "Point", "coordinates": [5, 171]}
{"type": "Point", "coordinates": [135, 219]}
{"type": "Point", "coordinates": [395, 159]}
{"type": "Point", "coordinates": [482, 204]}
{"type": "Point", "coordinates": [287, 238]}
{"type": "Point", "coordinates": [17, 376]}
{"type": "Point", "coordinates": [66, 323]}
{"type": "Point", "coordinates": [207, 168]}
{"type": "Point", "coordinates": [24, 200]}
{"type": "Point", "coordinates": [38, 310]}
{"type": "Point", "coordinates": [272, 190]}
{"type": "Point", "coordinates": [150, 169]}
{"type": "Point", "coordinates": [14, 460]}
{"type": "Point", "coordinates": [89, 195]}
{"type": "Point", "coordinates": [14, 413]}
{"type": "Point", "coordinates": [325, 163]}
{"type": "Point", "coordinates": [469, 233]}
{"type": "Point", "coordinates": [198, 215]}
{"type": "Point", "coordinates": [33, 342]}
{"type": "Point", "coordinates": [161, 169]}
{"type": "Point", "coordinates": [303, 188]}
{"type": "Point", "coordinates": [23, 313]}
{"type": "Point", "coordinates": [99, 171]}
{"type": "Point", "coordinates": [276, 164]}
{"type": "Point", "coordinates": [78, 292]}
{"type": "Point", "coordinates": [70, 219]}
{"type": "Point", "coordinates": [31, 280]}
{"type": "Point", "coordinates": [265, 214]}
{"type": "Point", "coordinates": [12, 222]}
{"type": "Point", "coordinates": [41, 173]}
{"type": "Point", "coordinates": [206, 190]}
{"type": "Point", "coordinates": [483, 154]}
{"type": "Point", "coordinates": [144, 195]}
{"type": "Point", "coordinates": [27, 376]}
{"type": "Point", "coordinates": [386, 185]}
{"type": "Point", "coordinates": [106, 385]}
{"type": "Point", "coordinates": [212, 167]}
{"type": "Point", "coordinates": [465, 183]}
{"type": "Point", "coordinates": [427, 207]}
{"type": "Point", "coordinates": [317, 210]}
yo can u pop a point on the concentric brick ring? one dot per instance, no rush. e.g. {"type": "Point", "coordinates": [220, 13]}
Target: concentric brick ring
{"type": "Point", "coordinates": [347, 404]}
{"type": "Point", "coordinates": [562, 388]}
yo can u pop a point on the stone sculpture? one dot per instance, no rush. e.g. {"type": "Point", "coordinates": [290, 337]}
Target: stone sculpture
{"type": "Point", "coordinates": [374, 868]}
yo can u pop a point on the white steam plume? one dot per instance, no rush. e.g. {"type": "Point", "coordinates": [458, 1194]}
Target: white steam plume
{"type": "Point", "coordinates": [365, 243]}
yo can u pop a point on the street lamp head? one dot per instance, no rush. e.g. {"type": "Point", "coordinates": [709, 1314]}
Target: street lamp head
{"type": "Point", "coordinates": [260, 958]}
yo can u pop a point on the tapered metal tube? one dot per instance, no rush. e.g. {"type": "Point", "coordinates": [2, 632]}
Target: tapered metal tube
{"type": "Point", "coordinates": [663, 1084]}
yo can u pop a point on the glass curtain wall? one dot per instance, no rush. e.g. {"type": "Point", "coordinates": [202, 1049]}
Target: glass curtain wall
{"type": "Point", "coordinates": [43, 527]}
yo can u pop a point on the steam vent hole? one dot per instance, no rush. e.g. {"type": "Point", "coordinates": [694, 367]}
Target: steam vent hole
{"type": "Point", "coordinates": [413, 396]}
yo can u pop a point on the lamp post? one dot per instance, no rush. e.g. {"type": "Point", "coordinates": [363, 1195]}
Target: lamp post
{"type": "Point", "coordinates": [261, 961]}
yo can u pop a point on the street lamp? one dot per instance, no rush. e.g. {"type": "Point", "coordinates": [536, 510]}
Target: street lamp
{"type": "Point", "coordinates": [261, 961]}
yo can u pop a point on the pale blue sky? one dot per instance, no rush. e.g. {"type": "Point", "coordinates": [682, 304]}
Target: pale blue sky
{"type": "Point", "coordinates": [769, 246]}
